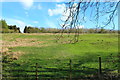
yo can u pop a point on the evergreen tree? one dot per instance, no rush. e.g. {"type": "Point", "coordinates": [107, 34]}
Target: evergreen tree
{"type": "Point", "coordinates": [4, 24]}
{"type": "Point", "coordinates": [25, 29]}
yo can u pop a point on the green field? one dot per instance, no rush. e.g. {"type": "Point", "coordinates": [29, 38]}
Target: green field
{"type": "Point", "coordinates": [29, 49]}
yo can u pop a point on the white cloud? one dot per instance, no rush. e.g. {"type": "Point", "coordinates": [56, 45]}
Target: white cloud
{"type": "Point", "coordinates": [50, 12]}
{"type": "Point", "coordinates": [27, 3]}
{"type": "Point", "coordinates": [16, 22]}
{"type": "Point", "coordinates": [59, 9]}
{"type": "Point", "coordinates": [65, 15]}
{"type": "Point", "coordinates": [35, 22]}
{"type": "Point", "coordinates": [67, 12]}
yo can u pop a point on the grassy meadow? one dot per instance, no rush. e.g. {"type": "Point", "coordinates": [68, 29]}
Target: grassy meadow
{"type": "Point", "coordinates": [29, 49]}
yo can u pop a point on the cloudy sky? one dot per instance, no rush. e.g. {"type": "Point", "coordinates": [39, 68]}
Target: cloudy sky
{"type": "Point", "coordinates": [37, 14]}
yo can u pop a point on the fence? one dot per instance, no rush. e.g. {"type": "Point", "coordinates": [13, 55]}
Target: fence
{"type": "Point", "coordinates": [64, 70]}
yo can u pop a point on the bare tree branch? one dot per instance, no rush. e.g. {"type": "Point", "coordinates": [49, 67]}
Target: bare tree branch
{"type": "Point", "coordinates": [77, 13]}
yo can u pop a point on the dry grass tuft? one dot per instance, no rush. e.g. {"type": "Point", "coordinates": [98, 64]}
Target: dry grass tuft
{"type": "Point", "coordinates": [22, 42]}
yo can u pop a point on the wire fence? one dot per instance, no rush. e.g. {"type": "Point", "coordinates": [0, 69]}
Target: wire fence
{"type": "Point", "coordinates": [69, 69]}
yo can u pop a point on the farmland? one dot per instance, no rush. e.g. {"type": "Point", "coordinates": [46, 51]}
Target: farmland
{"type": "Point", "coordinates": [28, 49]}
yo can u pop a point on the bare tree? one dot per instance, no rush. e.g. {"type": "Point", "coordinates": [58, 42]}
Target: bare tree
{"type": "Point", "coordinates": [77, 11]}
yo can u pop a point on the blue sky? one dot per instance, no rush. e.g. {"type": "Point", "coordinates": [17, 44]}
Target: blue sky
{"type": "Point", "coordinates": [36, 14]}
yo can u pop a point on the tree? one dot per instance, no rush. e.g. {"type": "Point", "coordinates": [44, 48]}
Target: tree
{"type": "Point", "coordinates": [25, 29]}
{"type": "Point", "coordinates": [4, 24]}
{"type": "Point", "coordinates": [19, 30]}
{"type": "Point", "coordinates": [14, 28]}
{"type": "Point", "coordinates": [5, 28]}
{"type": "Point", "coordinates": [42, 29]}
{"type": "Point", "coordinates": [76, 14]}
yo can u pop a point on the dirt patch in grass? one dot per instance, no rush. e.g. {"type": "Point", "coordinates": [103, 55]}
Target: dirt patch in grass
{"type": "Point", "coordinates": [22, 42]}
{"type": "Point", "coordinates": [13, 55]}
{"type": "Point", "coordinates": [19, 42]}
{"type": "Point", "coordinates": [16, 55]}
{"type": "Point", "coordinates": [48, 33]}
{"type": "Point", "coordinates": [4, 49]}
{"type": "Point", "coordinates": [39, 33]}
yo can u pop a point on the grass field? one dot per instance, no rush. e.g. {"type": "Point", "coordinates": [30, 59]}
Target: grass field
{"type": "Point", "coordinates": [29, 49]}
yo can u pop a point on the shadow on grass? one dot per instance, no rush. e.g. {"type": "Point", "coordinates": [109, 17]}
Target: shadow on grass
{"type": "Point", "coordinates": [57, 69]}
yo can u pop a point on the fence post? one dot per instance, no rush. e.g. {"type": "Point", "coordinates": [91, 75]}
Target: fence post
{"type": "Point", "coordinates": [70, 76]}
{"type": "Point", "coordinates": [36, 71]}
{"type": "Point", "coordinates": [100, 70]}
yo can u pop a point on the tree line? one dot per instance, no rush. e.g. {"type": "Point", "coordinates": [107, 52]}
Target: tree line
{"type": "Point", "coordinates": [29, 29]}
{"type": "Point", "coordinates": [5, 28]}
